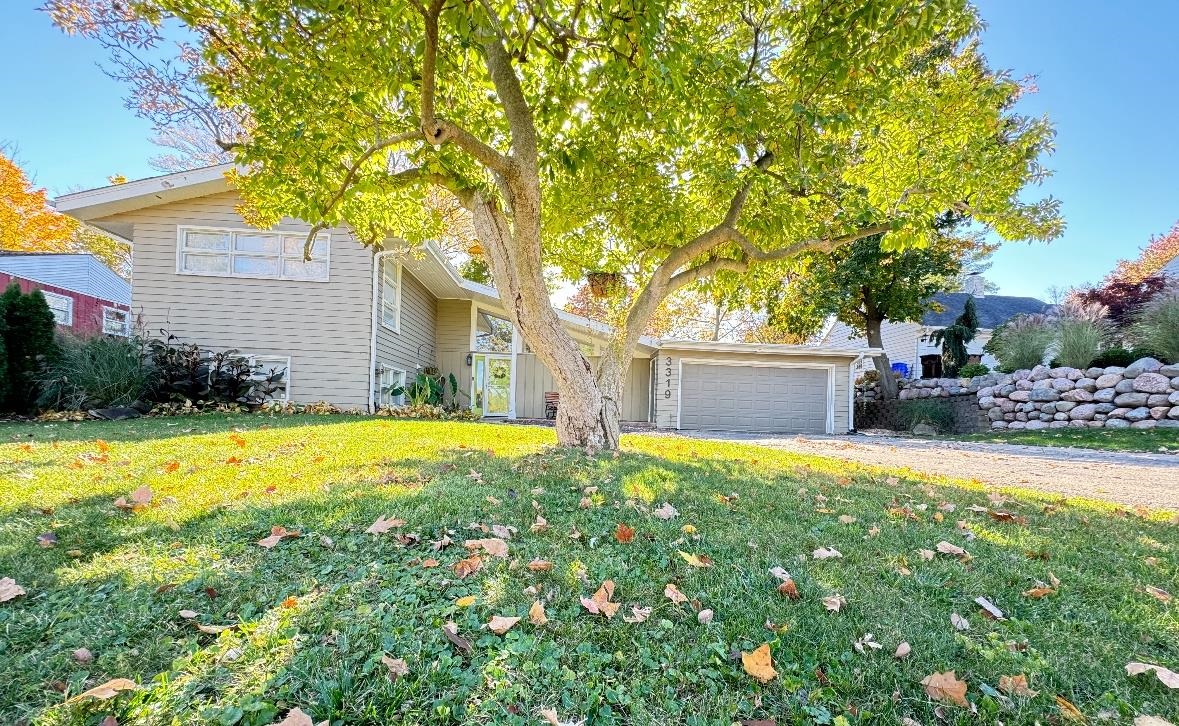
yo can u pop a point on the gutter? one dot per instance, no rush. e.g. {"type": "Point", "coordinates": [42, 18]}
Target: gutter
{"type": "Point", "coordinates": [372, 346]}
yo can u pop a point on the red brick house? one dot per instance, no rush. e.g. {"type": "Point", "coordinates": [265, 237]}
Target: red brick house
{"type": "Point", "coordinates": [85, 295]}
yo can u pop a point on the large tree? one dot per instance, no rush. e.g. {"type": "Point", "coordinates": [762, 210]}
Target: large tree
{"type": "Point", "coordinates": [863, 285]}
{"type": "Point", "coordinates": [667, 143]}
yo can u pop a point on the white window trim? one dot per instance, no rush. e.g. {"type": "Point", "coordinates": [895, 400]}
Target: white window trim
{"type": "Point", "coordinates": [380, 387]}
{"type": "Point", "coordinates": [181, 230]}
{"type": "Point", "coordinates": [126, 320]}
{"type": "Point", "coordinates": [253, 358]}
{"type": "Point", "coordinates": [396, 326]}
{"type": "Point", "coordinates": [69, 321]}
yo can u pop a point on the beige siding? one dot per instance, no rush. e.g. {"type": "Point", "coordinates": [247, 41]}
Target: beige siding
{"type": "Point", "coordinates": [900, 344]}
{"type": "Point", "coordinates": [533, 380]}
{"type": "Point", "coordinates": [415, 344]}
{"type": "Point", "coordinates": [453, 342]}
{"type": "Point", "coordinates": [325, 327]}
{"type": "Point", "coordinates": [667, 379]}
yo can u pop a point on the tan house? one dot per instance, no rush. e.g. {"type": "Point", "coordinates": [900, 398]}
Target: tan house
{"type": "Point", "coordinates": [351, 323]}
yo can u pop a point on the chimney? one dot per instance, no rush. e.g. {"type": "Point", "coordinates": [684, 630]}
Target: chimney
{"type": "Point", "coordinates": [975, 284]}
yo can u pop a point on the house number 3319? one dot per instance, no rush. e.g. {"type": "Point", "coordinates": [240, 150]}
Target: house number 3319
{"type": "Point", "coordinates": [667, 377]}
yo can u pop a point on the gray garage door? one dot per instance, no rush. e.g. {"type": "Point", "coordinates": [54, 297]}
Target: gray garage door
{"type": "Point", "coordinates": [753, 398]}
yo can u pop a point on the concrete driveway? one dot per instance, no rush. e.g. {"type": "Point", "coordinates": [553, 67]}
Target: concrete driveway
{"type": "Point", "coordinates": [1133, 479]}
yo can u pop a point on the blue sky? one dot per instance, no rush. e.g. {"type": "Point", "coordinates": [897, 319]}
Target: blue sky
{"type": "Point", "coordinates": [1106, 73]}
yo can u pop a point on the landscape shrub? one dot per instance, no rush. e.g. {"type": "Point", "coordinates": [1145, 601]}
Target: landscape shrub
{"type": "Point", "coordinates": [187, 372]}
{"type": "Point", "coordinates": [1117, 356]}
{"type": "Point", "coordinates": [973, 369]}
{"type": "Point", "coordinates": [1157, 326]}
{"type": "Point", "coordinates": [29, 344]}
{"type": "Point", "coordinates": [1022, 342]}
{"type": "Point", "coordinates": [1082, 330]}
{"type": "Point", "coordinates": [97, 372]}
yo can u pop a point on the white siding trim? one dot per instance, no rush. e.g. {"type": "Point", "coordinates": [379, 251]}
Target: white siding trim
{"type": "Point", "coordinates": [830, 368]}
{"type": "Point", "coordinates": [376, 313]}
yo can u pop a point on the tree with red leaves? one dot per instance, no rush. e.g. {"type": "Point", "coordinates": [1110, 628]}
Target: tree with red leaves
{"type": "Point", "coordinates": [1150, 262]}
{"type": "Point", "coordinates": [1123, 298]}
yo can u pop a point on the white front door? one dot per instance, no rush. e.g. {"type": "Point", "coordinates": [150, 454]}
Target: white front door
{"type": "Point", "coordinates": [491, 384]}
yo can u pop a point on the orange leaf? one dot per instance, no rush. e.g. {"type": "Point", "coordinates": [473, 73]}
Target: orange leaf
{"type": "Point", "coordinates": [466, 567]}
{"type": "Point", "coordinates": [238, 440]}
{"type": "Point", "coordinates": [1039, 592]}
{"type": "Point", "coordinates": [540, 565]}
{"type": "Point", "coordinates": [171, 466]}
{"type": "Point", "coordinates": [789, 589]}
{"type": "Point", "coordinates": [1069, 711]}
{"type": "Point", "coordinates": [599, 603]}
{"type": "Point", "coordinates": [673, 593]}
{"type": "Point", "coordinates": [536, 614]}
{"type": "Point", "coordinates": [277, 534]}
{"type": "Point", "coordinates": [106, 691]}
{"type": "Point", "coordinates": [759, 664]}
{"type": "Point", "coordinates": [290, 602]}
{"type": "Point", "coordinates": [624, 533]}
{"type": "Point", "coordinates": [945, 687]}
{"type": "Point", "coordinates": [500, 624]}
{"type": "Point", "coordinates": [1016, 686]}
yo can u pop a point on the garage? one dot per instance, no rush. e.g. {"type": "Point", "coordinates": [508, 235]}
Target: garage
{"type": "Point", "coordinates": [769, 398]}
{"type": "Point", "coordinates": [753, 387]}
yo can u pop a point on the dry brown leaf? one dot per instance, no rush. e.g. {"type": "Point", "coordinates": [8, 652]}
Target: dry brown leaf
{"type": "Point", "coordinates": [959, 622]}
{"type": "Point", "coordinates": [638, 614]}
{"type": "Point", "coordinates": [926, 554]}
{"type": "Point", "coordinates": [989, 608]}
{"type": "Point", "coordinates": [141, 496]}
{"type": "Point", "coordinates": [671, 592]}
{"type": "Point", "coordinates": [277, 534]}
{"type": "Point", "coordinates": [1151, 721]}
{"type": "Point", "coordinates": [946, 548]}
{"type": "Point", "coordinates": [188, 614]}
{"type": "Point", "coordinates": [1039, 592]}
{"type": "Point", "coordinates": [1069, 711]}
{"type": "Point", "coordinates": [383, 525]}
{"type": "Point", "coordinates": [945, 687]}
{"type": "Point", "coordinates": [846, 519]}
{"type": "Point", "coordinates": [397, 667]}
{"type": "Point", "coordinates": [696, 560]}
{"type": "Point", "coordinates": [704, 617]}
{"type": "Point", "coordinates": [759, 663]}
{"type": "Point", "coordinates": [665, 512]}
{"type": "Point", "coordinates": [105, 691]}
{"type": "Point", "coordinates": [790, 590]}
{"type": "Point", "coordinates": [9, 590]}
{"type": "Point", "coordinates": [491, 545]}
{"type": "Point", "coordinates": [540, 525]}
{"type": "Point", "coordinates": [466, 567]}
{"type": "Point", "coordinates": [502, 531]}
{"type": "Point", "coordinates": [213, 629]}
{"type": "Point", "coordinates": [450, 630]}
{"type": "Point", "coordinates": [826, 553]}
{"type": "Point", "coordinates": [83, 656]}
{"type": "Point", "coordinates": [903, 650]}
{"type": "Point", "coordinates": [540, 565]}
{"type": "Point", "coordinates": [780, 573]}
{"type": "Point", "coordinates": [599, 603]}
{"type": "Point", "coordinates": [624, 533]}
{"type": "Point", "coordinates": [834, 602]}
{"type": "Point", "coordinates": [1016, 686]}
{"type": "Point", "coordinates": [429, 563]}
{"type": "Point", "coordinates": [1001, 516]}
{"type": "Point", "coordinates": [1166, 676]}
{"type": "Point", "coordinates": [536, 614]}
{"type": "Point", "coordinates": [1158, 593]}
{"type": "Point", "coordinates": [500, 624]}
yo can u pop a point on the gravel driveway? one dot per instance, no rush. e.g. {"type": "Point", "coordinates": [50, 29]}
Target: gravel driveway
{"type": "Point", "coordinates": [1150, 480]}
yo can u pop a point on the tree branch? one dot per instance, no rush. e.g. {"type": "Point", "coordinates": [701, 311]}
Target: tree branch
{"type": "Point", "coordinates": [511, 96]}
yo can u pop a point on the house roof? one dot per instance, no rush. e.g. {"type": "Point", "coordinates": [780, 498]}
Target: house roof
{"type": "Point", "coordinates": [708, 346]}
{"type": "Point", "coordinates": [1171, 269]}
{"type": "Point", "coordinates": [83, 273]}
{"type": "Point", "coordinates": [993, 310]}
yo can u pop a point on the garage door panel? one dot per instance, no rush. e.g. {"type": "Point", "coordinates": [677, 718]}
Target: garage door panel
{"type": "Point", "coordinates": [753, 398]}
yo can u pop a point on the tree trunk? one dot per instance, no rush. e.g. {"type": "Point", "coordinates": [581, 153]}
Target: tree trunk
{"type": "Point", "coordinates": [888, 382]}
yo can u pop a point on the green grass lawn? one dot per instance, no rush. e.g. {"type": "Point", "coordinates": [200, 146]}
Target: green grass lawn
{"type": "Point", "coordinates": [313, 617]}
{"type": "Point", "coordinates": [1154, 440]}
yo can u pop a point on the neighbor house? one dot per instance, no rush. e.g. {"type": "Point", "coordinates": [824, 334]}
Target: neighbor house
{"type": "Point", "coordinates": [351, 323]}
{"type": "Point", "coordinates": [85, 295]}
{"type": "Point", "coordinates": [910, 344]}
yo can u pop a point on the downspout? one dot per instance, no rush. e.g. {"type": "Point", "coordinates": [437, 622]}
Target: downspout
{"type": "Point", "coordinates": [851, 393]}
{"type": "Point", "coordinates": [372, 346]}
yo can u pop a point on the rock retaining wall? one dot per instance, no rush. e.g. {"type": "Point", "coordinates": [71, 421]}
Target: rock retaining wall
{"type": "Point", "coordinates": [1143, 395]}
{"type": "Point", "coordinates": [961, 409]}
{"type": "Point", "coordinates": [929, 387]}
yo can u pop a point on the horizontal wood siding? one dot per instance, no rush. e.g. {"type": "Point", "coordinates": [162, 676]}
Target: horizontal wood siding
{"type": "Point", "coordinates": [453, 343]}
{"type": "Point", "coordinates": [533, 380]}
{"type": "Point", "coordinates": [667, 382]}
{"type": "Point", "coordinates": [414, 345]}
{"type": "Point", "coordinates": [325, 327]}
{"type": "Point", "coordinates": [900, 341]}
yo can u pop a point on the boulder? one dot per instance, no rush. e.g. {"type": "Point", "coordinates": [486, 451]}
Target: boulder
{"type": "Point", "coordinates": [1175, 383]}
{"type": "Point", "coordinates": [1142, 365]}
{"type": "Point", "coordinates": [1173, 399]}
{"type": "Point", "coordinates": [995, 414]}
{"type": "Point", "coordinates": [1058, 425]}
{"type": "Point", "coordinates": [1132, 399]}
{"type": "Point", "coordinates": [1048, 408]}
{"type": "Point", "coordinates": [1146, 424]}
{"type": "Point", "coordinates": [1043, 395]}
{"type": "Point", "coordinates": [1095, 424]}
{"type": "Point", "coordinates": [1060, 417]}
{"type": "Point", "coordinates": [1007, 405]}
{"type": "Point", "coordinates": [1158, 399]}
{"type": "Point", "coordinates": [998, 425]}
{"type": "Point", "coordinates": [1021, 417]}
{"type": "Point", "coordinates": [1105, 395]}
{"type": "Point", "coordinates": [1026, 384]}
{"type": "Point", "coordinates": [1077, 395]}
{"type": "Point", "coordinates": [1079, 424]}
{"type": "Point", "coordinates": [1083, 412]}
{"type": "Point", "coordinates": [1104, 408]}
{"type": "Point", "coordinates": [1094, 372]}
{"type": "Point", "coordinates": [1117, 423]}
{"type": "Point", "coordinates": [1044, 416]}
{"type": "Point", "coordinates": [1137, 414]}
{"type": "Point", "coordinates": [1036, 425]}
{"type": "Point", "coordinates": [986, 402]}
{"type": "Point", "coordinates": [1173, 413]}
{"type": "Point", "coordinates": [987, 391]}
{"type": "Point", "coordinates": [1170, 371]}
{"type": "Point", "coordinates": [1125, 385]}
{"type": "Point", "coordinates": [1119, 413]}
{"type": "Point", "coordinates": [1006, 389]}
{"type": "Point", "coordinates": [115, 413]}
{"type": "Point", "coordinates": [1021, 395]}
{"type": "Point", "coordinates": [1064, 406]}
{"type": "Point", "coordinates": [1086, 384]}
{"type": "Point", "coordinates": [1039, 373]}
{"type": "Point", "coordinates": [1062, 372]}
{"type": "Point", "coordinates": [1167, 423]}
{"type": "Point", "coordinates": [1108, 380]}
{"type": "Point", "coordinates": [1020, 375]}
{"type": "Point", "coordinates": [1152, 383]}
{"type": "Point", "coordinates": [1159, 412]}
{"type": "Point", "coordinates": [1063, 384]}
{"type": "Point", "coordinates": [1016, 425]}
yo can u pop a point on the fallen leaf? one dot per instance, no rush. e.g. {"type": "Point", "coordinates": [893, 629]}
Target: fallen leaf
{"type": "Point", "coordinates": [213, 629]}
{"type": "Point", "coordinates": [466, 601]}
{"type": "Point", "coordinates": [1039, 592]}
{"type": "Point", "coordinates": [171, 467]}
{"type": "Point", "coordinates": [826, 553]}
{"type": "Point", "coordinates": [47, 540]}
{"type": "Point", "coordinates": [665, 512]}
{"type": "Point", "coordinates": [671, 592]}
{"type": "Point", "coordinates": [491, 545]}
{"type": "Point", "coordinates": [450, 630]}
{"type": "Point", "coordinates": [1158, 593]}
{"type": "Point", "coordinates": [790, 590]}
{"type": "Point", "coordinates": [397, 667]}
{"type": "Point", "coordinates": [1151, 721]}
{"type": "Point", "coordinates": [704, 617]}
{"type": "Point", "coordinates": [926, 554]}
{"type": "Point", "coordinates": [947, 548]}
{"type": "Point", "coordinates": [599, 603]}
{"type": "Point", "coordinates": [759, 664]}
{"type": "Point", "coordinates": [277, 534]}
{"type": "Point", "coordinates": [846, 519]}
{"type": "Point", "coordinates": [780, 573]}
{"type": "Point", "coordinates": [536, 614]}
{"type": "Point", "coordinates": [10, 589]}
{"type": "Point", "coordinates": [688, 529]}
{"type": "Point", "coordinates": [959, 622]}
{"type": "Point", "coordinates": [464, 568]}
{"type": "Point", "coordinates": [429, 563]}
{"type": "Point", "coordinates": [296, 717]}
{"type": "Point", "coordinates": [1069, 711]}
{"type": "Point", "coordinates": [624, 533]}
{"type": "Point", "coordinates": [696, 560]}
{"type": "Point", "coordinates": [241, 443]}
{"type": "Point", "coordinates": [188, 614]}
{"type": "Point", "coordinates": [383, 525]}
{"type": "Point", "coordinates": [867, 641]}
{"type": "Point", "coordinates": [989, 608]}
{"type": "Point", "coordinates": [500, 624]}
{"type": "Point", "coordinates": [501, 531]}
{"type": "Point", "coordinates": [540, 525]}
{"type": "Point", "coordinates": [834, 602]}
{"type": "Point", "coordinates": [106, 691]}
{"type": "Point", "coordinates": [902, 650]}
{"type": "Point", "coordinates": [1001, 516]}
{"type": "Point", "coordinates": [638, 614]}
{"type": "Point", "coordinates": [1016, 686]}
{"type": "Point", "coordinates": [441, 544]}
{"type": "Point", "coordinates": [290, 602]}
{"type": "Point", "coordinates": [540, 566]}
{"type": "Point", "coordinates": [1166, 676]}
{"type": "Point", "coordinates": [945, 687]}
